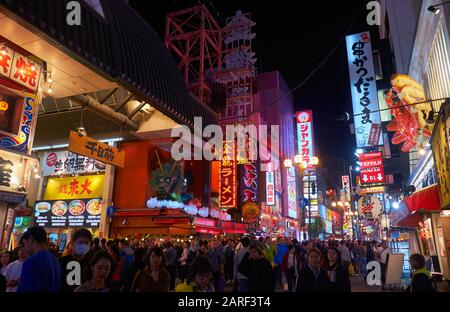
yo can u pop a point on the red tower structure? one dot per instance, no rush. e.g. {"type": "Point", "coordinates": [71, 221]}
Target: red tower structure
{"type": "Point", "coordinates": [196, 39]}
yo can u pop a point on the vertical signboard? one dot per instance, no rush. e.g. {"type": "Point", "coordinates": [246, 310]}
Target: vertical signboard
{"type": "Point", "coordinates": [270, 188]}
{"type": "Point", "coordinates": [346, 187]}
{"type": "Point", "coordinates": [248, 183]}
{"type": "Point", "coordinates": [372, 169]}
{"type": "Point", "coordinates": [305, 135]}
{"type": "Point", "coordinates": [292, 194]}
{"type": "Point", "coordinates": [227, 181]}
{"type": "Point", "coordinates": [364, 91]}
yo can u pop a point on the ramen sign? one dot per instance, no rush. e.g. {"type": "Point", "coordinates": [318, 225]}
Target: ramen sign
{"type": "Point", "coordinates": [369, 206]}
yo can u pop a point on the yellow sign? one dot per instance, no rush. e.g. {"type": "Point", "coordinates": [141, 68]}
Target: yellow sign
{"type": "Point", "coordinates": [440, 147]}
{"type": "Point", "coordinates": [92, 148]}
{"type": "Point", "coordinates": [75, 187]}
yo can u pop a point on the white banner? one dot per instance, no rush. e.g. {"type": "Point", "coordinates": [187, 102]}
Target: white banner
{"type": "Point", "coordinates": [364, 91]}
{"type": "Point", "coordinates": [65, 162]}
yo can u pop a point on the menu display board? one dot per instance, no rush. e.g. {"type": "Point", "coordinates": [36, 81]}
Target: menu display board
{"type": "Point", "coordinates": [68, 213]}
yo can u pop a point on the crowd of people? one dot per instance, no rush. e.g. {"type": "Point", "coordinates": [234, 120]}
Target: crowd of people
{"type": "Point", "coordinates": [247, 264]}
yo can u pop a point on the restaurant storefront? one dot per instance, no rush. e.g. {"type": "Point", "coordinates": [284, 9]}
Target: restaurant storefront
{"type": "Point", "coordinates": [20, 80]}
{"type": "Point", "coordinates": [112, 91]}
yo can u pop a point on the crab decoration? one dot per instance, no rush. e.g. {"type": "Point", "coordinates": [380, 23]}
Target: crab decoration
{"type": "Point", "coordinates": [409, 123]}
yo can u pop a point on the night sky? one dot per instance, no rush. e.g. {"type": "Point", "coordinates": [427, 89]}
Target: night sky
{"type": "Point", "coordinates": [295, 39]}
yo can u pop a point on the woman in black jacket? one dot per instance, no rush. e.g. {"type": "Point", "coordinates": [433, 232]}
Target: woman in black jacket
{"type": "Point", "coordinates": [338, 275]}
{"type": "Point", "coordinates": [259, 272]}
{"type": "Point", "coordinates": [312, 278]}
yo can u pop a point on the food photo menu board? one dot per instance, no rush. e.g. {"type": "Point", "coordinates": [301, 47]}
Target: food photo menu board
{"type": "Point", "coordinates": [68, 213]}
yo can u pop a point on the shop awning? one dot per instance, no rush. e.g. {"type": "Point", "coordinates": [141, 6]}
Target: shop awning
{"type": "Point", "coordinates": [412, 207]}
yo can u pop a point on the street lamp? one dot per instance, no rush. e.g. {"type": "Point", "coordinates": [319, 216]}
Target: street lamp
{"type": "Point", "coordinates": [287, 163]}
{"type": "Point", "coordinates": [434, 8]}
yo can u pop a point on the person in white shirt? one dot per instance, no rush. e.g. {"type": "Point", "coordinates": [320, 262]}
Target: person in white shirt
{"type": "Point", "coordinates": [381, 256]}
{"type": "Point", "coordinates": [345, 254]}
{"type": "Point", "coordinates": [13, 271]}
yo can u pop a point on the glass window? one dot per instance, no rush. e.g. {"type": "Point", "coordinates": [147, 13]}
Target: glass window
{"type": "Point", "coordinates": [96, 5]}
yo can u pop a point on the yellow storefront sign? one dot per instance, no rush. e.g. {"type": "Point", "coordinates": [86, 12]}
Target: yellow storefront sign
{"type": "Point", "coordinates": [75, 187]}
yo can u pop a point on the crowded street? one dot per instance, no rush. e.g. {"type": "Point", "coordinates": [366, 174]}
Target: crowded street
{"type": "Point", "coordinates": [227, 148]}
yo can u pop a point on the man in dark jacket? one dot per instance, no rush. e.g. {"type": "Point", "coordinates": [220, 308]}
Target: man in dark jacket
{"type": "Point", "coordinates": [421, 280]}
{"type": "Point", "coordinates": [259, 272]}
{"type": "Point", "coordinates": [312, 278]}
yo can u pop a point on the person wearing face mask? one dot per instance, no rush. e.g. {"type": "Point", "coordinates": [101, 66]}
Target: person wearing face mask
{"type": "Point", "coordinates": [81, 242]}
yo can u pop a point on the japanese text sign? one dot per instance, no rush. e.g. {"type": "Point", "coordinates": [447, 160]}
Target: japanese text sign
{"type": "Point", "coordinates": [364, 91]}
{"type": "Point", "coordinates": [92, 148]}
{"type": "Point", "coordinates": [369, 206]}
{"type": "Point", "coordinates": [249, 183]}
{"type": "Point", "coordinates": [372, 169]}
{"type": "Point", "coordinates": [65, 162]}
{"type": "Point", "coordinates": [227, 179]}
{"type": "Point", "coordinates": [15, 172]}
{"type": "Point", "coordinates": [19, 68]}
{"type": "Point", "coordinates": [292, 193]}
{"type": "Point", "coordinates": [74, 187]}
{"type": "Point", "coordinates": [270, 188]}
{"type": "Point", "coordinates": [305, 135]}
{"type": "Point", "coordinates": [346, 187]}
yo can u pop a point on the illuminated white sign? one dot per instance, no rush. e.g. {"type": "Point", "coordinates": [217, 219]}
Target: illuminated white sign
{"type": "Point", "coordinates": [364, 91]}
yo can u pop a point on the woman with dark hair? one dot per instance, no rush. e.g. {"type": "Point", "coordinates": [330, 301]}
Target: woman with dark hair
{"type": "Point", "coordinates": [154, 277]}
{"type": "Point", "coordinates": [338, 275]}
{"type": "Point", "coordinates": [138, 264]}
{"type": "Point", "coordinates": [290, 266]}
{"type": "Point", "coordinates": [200, 275]}
{"type": "Point", "coordinates": [312, 278]}
{"type": "Point", "coordinates": [114, 251]}
{"type": "Point", "coordinates": [99, 273]}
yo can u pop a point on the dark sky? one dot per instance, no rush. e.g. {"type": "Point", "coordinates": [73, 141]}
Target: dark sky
{"type": "Point", "coordinates": [294, 37]}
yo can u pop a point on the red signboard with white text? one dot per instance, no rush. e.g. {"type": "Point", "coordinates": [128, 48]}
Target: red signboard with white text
{"type": "Point", "coordinates": [372, 169]}
{"type": "Point", "coordinates": [305, 135]}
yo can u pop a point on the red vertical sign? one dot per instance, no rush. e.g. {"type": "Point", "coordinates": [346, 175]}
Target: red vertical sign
{"type": "Point", "coordinates": [227, 181]}
{"type": "Point", "coordinates": [372, 169]}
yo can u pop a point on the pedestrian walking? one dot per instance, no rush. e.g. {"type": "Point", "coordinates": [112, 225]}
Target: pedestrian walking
{"type": "Point", "coordinates": [312, 278]}
{"type": "Point", "coordinates": [183, 262]}
{"type": "Point", "coordinates": [259, 272]}
{"type": "Point", "coordinates": [14, 270]}
{"type": "Point", "coordinates": [171, 263]}
{"type": "Point", "coordinates": [338, 275]}
{"type": "Point", "coordinates": [345, 255]}
{"type": "Point", "coordinates": [290, 267]}
{"type": "Point", "coordinates": [240, 279]}
{"type": "Point", "coordinates": [154, 277]}
{"type": "Point", "coordinates": [381, 257]}
{"type": "Point", "coordinates": [41, 272]}
{"type": "Point", "coordinates": [421, 277]}
{"type": "Point", "coordinates": [4, 261]}
{"type": "Point", "coordinates": [81, 241]}
{"type": "Point", "coordinates": [229, 261]}
{"type": "Point", "coordinates": [98, 274]}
